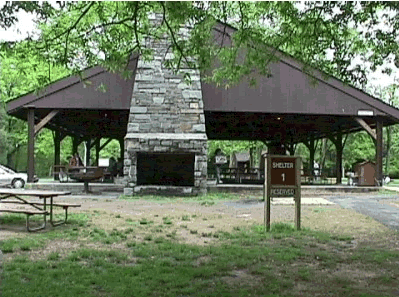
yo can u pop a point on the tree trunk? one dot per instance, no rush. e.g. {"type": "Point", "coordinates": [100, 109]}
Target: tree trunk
{"type": "Point", "coordinates": [10, 155]}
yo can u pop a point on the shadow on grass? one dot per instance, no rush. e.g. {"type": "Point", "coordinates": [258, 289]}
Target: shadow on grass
{"type": "Point", "coordinates": [37, 240]}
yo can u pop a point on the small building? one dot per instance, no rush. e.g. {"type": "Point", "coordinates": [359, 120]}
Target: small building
{"type": "Point", "coordinates": [365, 172]}
{"type": "Point", "coordinates": [240, 160]}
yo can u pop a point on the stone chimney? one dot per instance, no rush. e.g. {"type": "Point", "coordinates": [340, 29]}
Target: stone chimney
{"type": "Point", "coordinates": [166, 143]}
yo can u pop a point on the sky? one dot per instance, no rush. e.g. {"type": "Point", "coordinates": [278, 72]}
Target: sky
{"type": "Point", "coordinates": [19, 30]}
{"type": "Point", "coordinates": [25, 24]}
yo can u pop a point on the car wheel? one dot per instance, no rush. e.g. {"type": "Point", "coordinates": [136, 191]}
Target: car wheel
{"type": "Point", "coordinates": [18, 183]}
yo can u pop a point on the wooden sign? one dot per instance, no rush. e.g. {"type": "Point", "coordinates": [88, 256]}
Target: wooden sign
{"type": "Point", "coordinates": [282, 179]}
{"type": "Point", "coordinates": [282, 192]}
{"type": "Point", "coordinates": [282, 171]}
{"type": "Point", "coordinates": [220, 159]}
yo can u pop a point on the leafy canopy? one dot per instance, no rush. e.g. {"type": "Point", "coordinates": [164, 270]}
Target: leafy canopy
{"type": "Point", "coordinates": [325, 35]}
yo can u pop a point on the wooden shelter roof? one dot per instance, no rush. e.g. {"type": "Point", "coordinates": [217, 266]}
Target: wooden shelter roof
{"type": "Point", "coordinates": [287, 105]}
{"type": "Point", "coordinates": [242, 157]}
{"type": "Point", "coordinates": [95, 105]}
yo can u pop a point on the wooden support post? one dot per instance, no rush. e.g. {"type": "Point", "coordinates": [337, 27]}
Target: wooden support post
{"type": "Point", "coordinates": [297, 197]}
{"type": "Point", "coordinates": [311, 145]}
{"type": "Point", "coordinates": [367, 128]}
{"type": "Point", "coordinates": [75, 144]}
{"type": "Point", "coordinates": [340, 150]}
{"type": "Point", "coordinates": [45, 120]}
{"type": "Point", "coordinates": [122, 154]}
{"type": "Point", "coordinates": [122, 148]}
{"type": "Point", "coordinates": [57, 151]}
{"type": "Point", "coordinates": [31, 143]}
{"type": "Point", "coordinates": [312, 153]}
{"type": "Point", "coordinates": [379, 148]}
{"type": "Point", "coordinates": [88, 147]}
{"type": "Point", "coordinates": [339, 146]}
{"type": "Point", "coordinates": [291, 146]}
{"type": "Point", "coordinates": [267, 194]}
{"type": "Point", "coordinates": [97, 144]}
{"type": "Point", "coordinates": [105, 144]}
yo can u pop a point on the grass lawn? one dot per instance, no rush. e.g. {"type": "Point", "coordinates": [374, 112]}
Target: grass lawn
{"type": "Point", "coordinates": [106, 253]}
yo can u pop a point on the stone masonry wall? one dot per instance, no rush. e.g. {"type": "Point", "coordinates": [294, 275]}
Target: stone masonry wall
{"type": "Point", "coordinates": [166, 115]}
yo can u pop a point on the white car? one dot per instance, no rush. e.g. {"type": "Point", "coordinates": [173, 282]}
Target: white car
{"type": "Point", "coordinates": [10, 177]}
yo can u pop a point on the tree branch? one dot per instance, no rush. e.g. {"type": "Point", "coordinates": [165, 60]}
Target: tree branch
{"type": "Point", "coordinates": [68, 31]}
{"type": "Point", "coordinates": [136, 8]}
{"type": "Point", "coordinates": [173, 35]}
{"type": "Point", "coordinates": [121, 22]}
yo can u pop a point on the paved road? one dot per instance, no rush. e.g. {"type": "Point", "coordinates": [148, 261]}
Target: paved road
{"type": "Point", "coordinates": [370, 206]}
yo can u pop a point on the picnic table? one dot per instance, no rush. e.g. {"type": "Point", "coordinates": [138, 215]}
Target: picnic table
{"type": "Point", "coordinates": [241, 175]}
{"type": "Point", "coordinates": [86, 174]}
{"type": "Point", "coordinates": [83, 174]}
{"type": "Point", "coordinates": [18, 198]}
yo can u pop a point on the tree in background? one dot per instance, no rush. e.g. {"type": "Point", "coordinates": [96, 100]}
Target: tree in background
{"type": "Point", "coordinates": [390, 95]}
{"type": "Point", "coordinates": [19, 74]}
{"type": "Point", "coordinates": [325, 35]}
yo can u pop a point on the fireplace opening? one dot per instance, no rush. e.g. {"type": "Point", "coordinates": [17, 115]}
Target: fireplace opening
{"type": "Point", "coordinates": [165, 169]}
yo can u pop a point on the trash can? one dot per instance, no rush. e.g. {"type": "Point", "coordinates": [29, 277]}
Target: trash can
{"type": "Point", "coordinates": [365, 173]}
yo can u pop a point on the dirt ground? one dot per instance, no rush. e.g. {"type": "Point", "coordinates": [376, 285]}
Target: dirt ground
{"type": "Point", "coordinates": [194, 221]}
{"type": "Point", "coordinates": [201, 216]}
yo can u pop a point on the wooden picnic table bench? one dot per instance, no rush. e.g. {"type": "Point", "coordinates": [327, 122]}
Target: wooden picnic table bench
{"type": "Point", "coordinates": [13, 196]}
{"type": "Point", "coordinates": [29, 213]}
{"type": "Point", "coordinates": [65, 206]}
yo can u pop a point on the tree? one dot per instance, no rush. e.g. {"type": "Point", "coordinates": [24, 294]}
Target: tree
{"type": "Point", "coordinates": [10, 8]}
{"type": "Point", "coordinates": [21, 73]}
{"type": "Point", "coordinates": [326, 35]}
{"type": "Point", "coordinates": [390, 95]}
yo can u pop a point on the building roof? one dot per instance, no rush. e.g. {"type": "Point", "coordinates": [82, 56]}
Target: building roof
{"type": "Point", "coordinates": [289, 101]}
{"type": "Point", "coordinates": [290, 104]}
{"type": "Point", "coordinates": [242, 157]}
{"type": "Point", "coordinates": [95, 105]}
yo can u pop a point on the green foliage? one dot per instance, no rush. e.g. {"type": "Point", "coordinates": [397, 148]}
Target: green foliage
{"type": "Point", "coordinates": [230, 147]}
{"type": "Point", "coordinates": [22, 72]}
{"type": "Point", "coordinates": [112, 149]}
{"type": "Point", "coordinates": [359, 147]}
{"type": "Point", "coordinates": [86, 33]}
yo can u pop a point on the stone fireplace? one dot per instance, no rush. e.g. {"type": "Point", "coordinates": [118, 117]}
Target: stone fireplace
{"type": "Point", "coordinates": [166, 163]}
{"type": "Point", "coordinates": [166, 143]}
{"type": "Point", "coordinates": [165, 169]}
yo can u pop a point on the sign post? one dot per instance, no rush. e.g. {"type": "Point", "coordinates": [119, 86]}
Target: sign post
{"type": "Point", "coordinates": [282, 179]}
